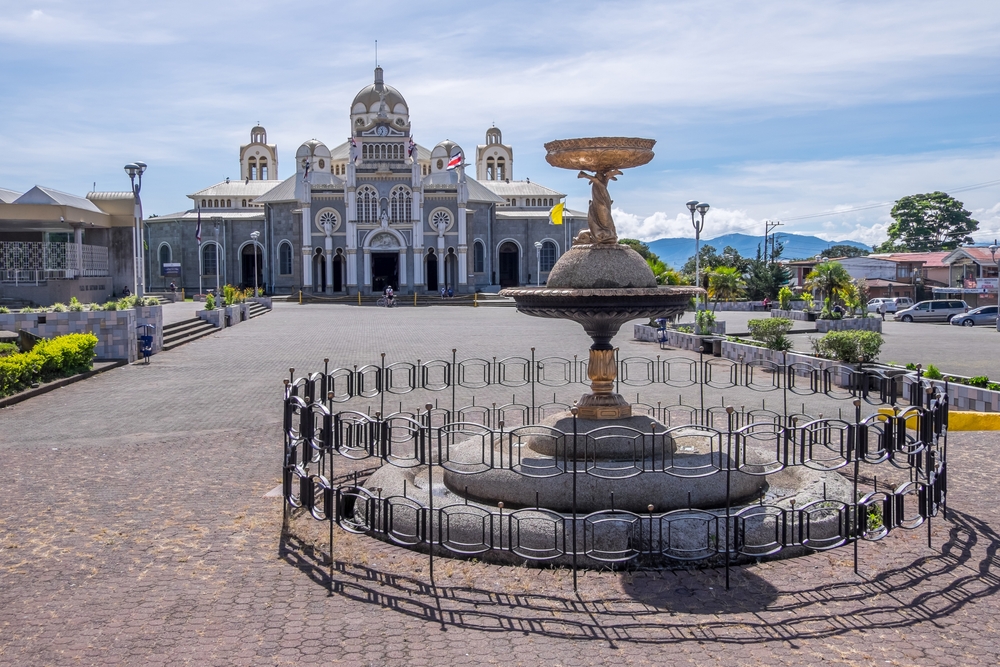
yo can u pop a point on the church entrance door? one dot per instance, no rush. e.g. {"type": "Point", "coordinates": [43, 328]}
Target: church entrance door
{"type": "Point", "coordinates": [432, 273]}
{"type": "Point", "coordinates": [510, 263]}
{"type": "Point", "coordinates": [247, 264]}
{"type": "Point", "coordinates": [338, 273]}
{"type": "Point", "coordinates": [385, 270]}
{"type": "Point", "coordinates": [319, 271]}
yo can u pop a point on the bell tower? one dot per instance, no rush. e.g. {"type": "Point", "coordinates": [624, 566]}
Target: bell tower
{"type": "Point", "coordinates": [495, 160]}
{"type": "Point", "coordinates": [258, 159]}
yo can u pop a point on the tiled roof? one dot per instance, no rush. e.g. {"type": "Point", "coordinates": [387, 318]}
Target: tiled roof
{"type": "Point", "coordinates": [285, 191]}
{"type": "Point", "coordinates": [236, 189]}
{"type": "Point", "coordinates": [931, 260]}
{"type": "Point", "coordinates": [515, 214]}
{"type": "Point", "coordinates": [208, 214]}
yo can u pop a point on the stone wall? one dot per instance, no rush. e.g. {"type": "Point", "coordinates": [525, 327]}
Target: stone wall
{"type": "Point", "coordinates": [115, 330]}
{"type": "Point", "coordinates": [850, 324]}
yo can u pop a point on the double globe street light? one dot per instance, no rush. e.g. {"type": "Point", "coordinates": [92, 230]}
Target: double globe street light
{"type": "Point", "coordinates": [135, 169]}
{"type": "Point", "coordinates": [701, 208]}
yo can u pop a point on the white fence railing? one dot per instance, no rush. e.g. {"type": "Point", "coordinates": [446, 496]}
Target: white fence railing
{"type": "Point", "coordinates": [36, 262]}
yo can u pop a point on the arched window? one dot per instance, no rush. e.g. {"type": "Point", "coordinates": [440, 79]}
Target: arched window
{"type": "Point", "coordinates": [203, 203]}
{"type": "Point", "coordinates": [164, 256]}
{"type": "Point", "coordinates": [548, 255]}
{"type": "Point", "coordinates": [244, 203]}
{"type": "Point", "coordinates": [229, 203]}
{"type": "Point", "coordinates": [252, 169]}
{"type": "Point", "coordinates": [501, 169]}
{"type": "Point", "coordinates": [478, 257]}
{"type": "Point", "coordinates": [209, 264]}
{"type": "Point", "coordinates": [285, 258]}
{"type": "Point", "coordinates": [216, 204]}
{"type": "Point", "coordinates": [491, 167]}
{"type": "Point", "coordinates": [400, 204]}
{"type": "Point", "coordinates": [367, 198]}
{"type": "Point", "coordinates": [262, 170]}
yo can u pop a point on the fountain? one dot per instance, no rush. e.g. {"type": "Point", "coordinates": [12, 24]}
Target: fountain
{"type": "Point", "coordinates": [600, 483]}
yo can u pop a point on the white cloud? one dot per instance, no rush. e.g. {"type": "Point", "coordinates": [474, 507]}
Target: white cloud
{"type": "Point", "coordinates": [659, 225]}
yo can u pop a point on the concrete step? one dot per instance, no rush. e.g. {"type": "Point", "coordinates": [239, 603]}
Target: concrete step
{"type": "Point", "coordinates": [256, 310]}
{"type": "Point", "coordinates": [179, 333]}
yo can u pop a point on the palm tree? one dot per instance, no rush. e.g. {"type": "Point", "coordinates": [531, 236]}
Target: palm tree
{"type": "Point", "coordinates": [828, 278]}
{"type": "Point", "coordinates": [726, 283]}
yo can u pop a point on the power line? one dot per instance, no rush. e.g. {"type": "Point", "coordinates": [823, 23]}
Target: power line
{"type": "Point", "coordinates": [868, 207]}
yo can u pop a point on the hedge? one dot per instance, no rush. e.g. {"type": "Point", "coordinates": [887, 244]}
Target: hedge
{"type": "Point", "coordinates": [59, 357]}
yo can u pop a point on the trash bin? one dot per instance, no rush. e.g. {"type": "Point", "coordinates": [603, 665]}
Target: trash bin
{"type": "Point", "coordinates": [145, 340]}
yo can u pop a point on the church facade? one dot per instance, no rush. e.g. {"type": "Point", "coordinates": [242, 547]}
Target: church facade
{"type": "Point", "coordinates": [374, 211]}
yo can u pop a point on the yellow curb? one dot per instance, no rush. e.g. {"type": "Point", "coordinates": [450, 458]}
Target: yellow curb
{"type": "Point", "coordinates": [965, 420]}
{"type": "Point", "coordinates": [911, 422]}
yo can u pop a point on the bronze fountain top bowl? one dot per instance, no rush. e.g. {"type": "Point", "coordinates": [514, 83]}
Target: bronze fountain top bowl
{"type": "Point", "coordinates": [599, 154]}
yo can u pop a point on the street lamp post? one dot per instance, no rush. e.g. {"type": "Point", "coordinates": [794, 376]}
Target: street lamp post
{"type": "Point", "coordinates": [255, 236]}
{"type": "Point", "coordinates": [702, 208]}
{"type": "Point", "coordinates": [136, 169]}
{"type": "Point", "coordinates": [993, 252]}
{"type": "Point", "coordinates": [538, 254]}
{"type": "Point", "coordinates": [218, 268]}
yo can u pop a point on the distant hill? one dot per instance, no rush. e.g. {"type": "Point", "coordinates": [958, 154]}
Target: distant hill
{"type": "Point", "coordinates": [676, 251]}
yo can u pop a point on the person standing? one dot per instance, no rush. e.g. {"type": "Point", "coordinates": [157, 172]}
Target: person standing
{"type": "Point", "coordinates": [881, 310]}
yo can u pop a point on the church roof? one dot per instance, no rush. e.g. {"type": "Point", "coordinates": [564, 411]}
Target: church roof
{"type": "Point", "coordinates": [207, 214]}
{"type": "Point", "coordinates": [284, 191]}
{"type": "Point", "coordinates": [521, 189]}
{"type": "Point", "coordinates": [8, 196]}
{"type": "Point", "coordinates": [370, 95]}
{"type": "Point", "coordinates": [241, 188]}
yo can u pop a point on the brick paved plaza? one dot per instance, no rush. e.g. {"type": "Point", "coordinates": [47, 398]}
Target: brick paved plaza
{"type": "Point", "coordinates": [134, 530]}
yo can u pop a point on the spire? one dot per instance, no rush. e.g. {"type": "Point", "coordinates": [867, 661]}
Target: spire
{"type": "Point", "coordinates": [379, 83]}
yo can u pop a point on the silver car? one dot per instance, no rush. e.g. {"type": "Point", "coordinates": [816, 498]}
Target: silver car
{"type": "Point", "coordinates": [981, 315]}
{"type": "Point", "coordinates": [940, 310]}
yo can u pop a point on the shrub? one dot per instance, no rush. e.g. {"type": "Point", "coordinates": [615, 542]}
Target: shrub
{"type": "Point", "coordinates": [4, 310]}
{"type": "Point", "coordinates": [210, 302]}
{"type": "Point", "coordinates": [26, 310]}
{"type": "Point", "coordinates": [7, 349]}
{"type": "Point", "coordinates": [110, 305]}
{"type": "Point", "coordinates": [59, 308]}
{"type": "Point", "coordinates": [703, 321]}
{"type": "Point", "coordinates": [932, 373]}
{"type": "Point", "coordinates": [75, 305]}
{"type": "Point", "coordinates": [229, 295]}
{"type": "Point", "coordinates": [849, 346]}
{"type": "Point", "coordinates": [980, 381]}
{"type": "Point", "coordinates": [785, 298]}
{"type": "Point", "coordinates": [772, 332]}
{"type": "Point", "coordinates": [60, 356]}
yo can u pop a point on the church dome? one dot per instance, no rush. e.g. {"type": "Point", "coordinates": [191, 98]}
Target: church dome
{"type": "Point", "coordinates": [313, 148]}
{"type": "Point", "coordinates": [369, 98]}
{"type": "Point", "coordinates": [442, 154]}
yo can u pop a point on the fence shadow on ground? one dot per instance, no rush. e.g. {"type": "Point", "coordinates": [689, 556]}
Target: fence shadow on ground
{"type": "Point", "coordinates": [668, 607]}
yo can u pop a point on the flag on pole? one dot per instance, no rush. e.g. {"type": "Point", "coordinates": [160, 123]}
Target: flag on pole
{"type": "Point", "coordinates": [355, 153]}
{"type": "Point", "coordinates": [411, 149]}
{"type": "Point", "coordinates": [556, 214]}
{"type": "Point", "coordinates": [197, 231]}
{"type": "Point", "coordinates": [455, 160]}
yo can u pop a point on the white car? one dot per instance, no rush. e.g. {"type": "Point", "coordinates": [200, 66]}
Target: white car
{"type": "Point", "coordinates": [890, 305]}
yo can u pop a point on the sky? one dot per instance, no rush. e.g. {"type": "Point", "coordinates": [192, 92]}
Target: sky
{"type": "Point", "coordinates": [770, 110]}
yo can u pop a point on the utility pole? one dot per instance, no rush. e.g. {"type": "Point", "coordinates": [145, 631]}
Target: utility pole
{"type": "Point", "coordinates": [770, 226]}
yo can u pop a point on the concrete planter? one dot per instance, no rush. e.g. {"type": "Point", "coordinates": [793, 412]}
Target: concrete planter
{"type": "Point", "coordinates": [648, 334]}
{"type": "Point", "coordinates": [216, 317]}
{"type": "Point", "coordinates": [115, 329]}
{"type": "Point", "coordinates": [850, 324]}
{"type": "Point", "coordinates": [244, 312]}
{"type": "Point", "coordinates": [962, 396]}
{"type": "Point", "coordinates": [262, 300]}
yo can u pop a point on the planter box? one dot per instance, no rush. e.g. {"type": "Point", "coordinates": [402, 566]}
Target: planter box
{"type": "Point", "coordinates": [244, 312]}
{"type": "Point", "coordinates": [962, 396]}
{"type": "Point", "coordinates": [850, 324]}
{"type": "Point", "coordinates": [800, 315]}
{"type": "Point", "coordinates": [216, 317]}
{"type": "Point", "coordinates": [115, 329]}
{"type": "Point", "coordinates": [648, 334]}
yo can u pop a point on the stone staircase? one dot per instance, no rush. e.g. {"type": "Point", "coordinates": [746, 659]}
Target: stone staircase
{"type": "Point", "coordinates": [178, 333]}
{"type": "Point", "coordinates": [256, 310]}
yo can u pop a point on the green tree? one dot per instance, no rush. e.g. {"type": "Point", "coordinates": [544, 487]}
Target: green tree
{"type": "Point", "coordinates": [725, 283]}
{"type": "Point", "coordinates": [927, 223]}
{"type": "Point", "coordinates": [828, 278]}
{"type": "Point", "coordinates": [764, 278]}
{"type": "Point", "coordinates": [661, 271]}
{"type": "Point", "coordinates": [639, 247]}
{"type": "Point", "coordinates": [844, 251]}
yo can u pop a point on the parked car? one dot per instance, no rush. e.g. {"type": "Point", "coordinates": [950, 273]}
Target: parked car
{"type": "Point", "coordinates": [936, 310]}
{"type": "Point", "coordinates": [903, 302]}
{"type": "Point", "coordinates": [981, 315]}
{"type": "Point", "coordinates": [890, 305]}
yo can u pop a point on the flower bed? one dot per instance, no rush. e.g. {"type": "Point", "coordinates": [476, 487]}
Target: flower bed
{"type": "Point", "coordinates": [58, 357]}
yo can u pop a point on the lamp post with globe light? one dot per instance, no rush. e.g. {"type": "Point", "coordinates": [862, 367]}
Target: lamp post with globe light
{"type": "Point", "coordinates": [255, 236]}
{"type": "Point", "coordinates": [136, 169]}
{"type": "Point", "coordinates": [702, 209]}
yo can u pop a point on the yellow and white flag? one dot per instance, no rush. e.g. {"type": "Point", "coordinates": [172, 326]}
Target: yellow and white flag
{"type": "Point", "coordinates": [556, 214]}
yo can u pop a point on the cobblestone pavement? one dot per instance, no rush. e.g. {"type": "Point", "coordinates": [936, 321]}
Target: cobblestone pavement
{"type": "Point", "coordinates": [134, 530]}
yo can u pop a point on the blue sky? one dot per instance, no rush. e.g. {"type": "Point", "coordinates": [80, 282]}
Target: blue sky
{"type": "Point", "coordinates": [767, 110]}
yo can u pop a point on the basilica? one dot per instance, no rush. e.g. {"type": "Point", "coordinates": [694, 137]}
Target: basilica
{"type": "Point", "coordinates": [377, 210]}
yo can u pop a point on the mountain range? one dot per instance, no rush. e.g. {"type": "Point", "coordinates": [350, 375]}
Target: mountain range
{"type": "Point", "coordinates": [675, 251]}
